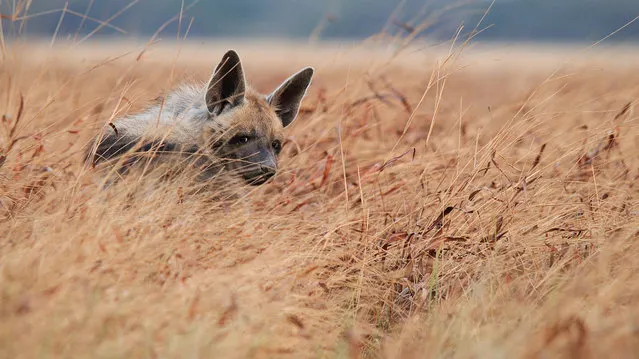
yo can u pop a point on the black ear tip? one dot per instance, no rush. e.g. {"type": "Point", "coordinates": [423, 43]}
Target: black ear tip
{"type": "Point", "coordinates": [232, 54]}
{"type": "Point", "coordinates": [305, 75]}
{"type": "Point", "coordinates": [230, 61]}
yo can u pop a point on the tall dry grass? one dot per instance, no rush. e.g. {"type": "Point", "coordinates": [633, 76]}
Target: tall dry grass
{"type": "Point", "coordinates": [482, 205]}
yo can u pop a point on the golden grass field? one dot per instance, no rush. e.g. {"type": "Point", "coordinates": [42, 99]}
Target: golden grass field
{"type": "Point", "coordinates": [436, 203]}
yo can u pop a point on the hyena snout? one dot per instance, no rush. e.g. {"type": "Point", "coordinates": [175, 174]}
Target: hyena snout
{"type": "Point", "coordinates": [260, 170]}
{"type": "Point", "coordinates": [257, 167]}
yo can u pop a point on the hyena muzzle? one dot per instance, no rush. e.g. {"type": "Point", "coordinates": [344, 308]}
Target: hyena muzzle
{"type": "Point", "coordinates": [225, 126]}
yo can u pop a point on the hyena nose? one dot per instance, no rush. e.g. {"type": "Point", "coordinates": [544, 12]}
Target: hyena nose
{"type": "Point", "coordinates": [261, 170]}
{"type": "Point", "coordinates": [267, 171]}
{"type": "Point", "coordinates": [261, 175]}
{"type": "Point", "coordinates": [268, 166]}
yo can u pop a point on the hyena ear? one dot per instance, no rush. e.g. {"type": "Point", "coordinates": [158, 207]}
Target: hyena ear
{"type": "Point", "coordinates": [286, 99]}
{"type": "Point", "coordinates": [227, 86]}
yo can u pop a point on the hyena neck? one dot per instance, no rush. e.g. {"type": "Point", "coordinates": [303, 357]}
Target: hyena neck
{"type": "Point", "coordinates": [184, 104]}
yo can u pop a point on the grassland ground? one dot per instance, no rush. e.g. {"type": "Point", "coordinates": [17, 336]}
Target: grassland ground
{"type": "Point", "coordinates": [430, 204]}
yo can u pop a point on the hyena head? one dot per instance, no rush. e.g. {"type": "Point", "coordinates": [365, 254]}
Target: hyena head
{"type": "Point", "coordinates": [246, 129]}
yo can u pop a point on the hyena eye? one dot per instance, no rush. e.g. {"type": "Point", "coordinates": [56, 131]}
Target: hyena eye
{"type": "Point", "coordinates": [277, 145]}
{"type": "Point", "coordinates": [239, 140]}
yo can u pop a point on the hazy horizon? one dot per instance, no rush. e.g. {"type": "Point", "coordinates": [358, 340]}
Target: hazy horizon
{"type": "Point", "coordinates": [507, 20]}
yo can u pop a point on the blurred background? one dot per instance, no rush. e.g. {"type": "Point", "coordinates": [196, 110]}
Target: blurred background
{"type": "Point", "coordinates": [508, 20]}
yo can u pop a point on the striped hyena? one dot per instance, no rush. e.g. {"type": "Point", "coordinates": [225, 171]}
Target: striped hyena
{"type": "Point", "coordinates": [223, 127]}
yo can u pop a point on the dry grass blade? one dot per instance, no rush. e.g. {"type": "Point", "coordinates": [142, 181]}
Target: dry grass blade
{"type": "Point", "coordinates": [623, 111]}
{"type": "Point", "coordinates": [115, 129]}
{"type": "Point", "coordinates": [538, 158]}
{"type": "Point", "coordinates": [327, 170]}
{"type": "Point", "coordinates": [393, 160]}
{"type": "Point", "coordinates": [437, 223]}
{"type": "Point", "coordinates": [18, 117]}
